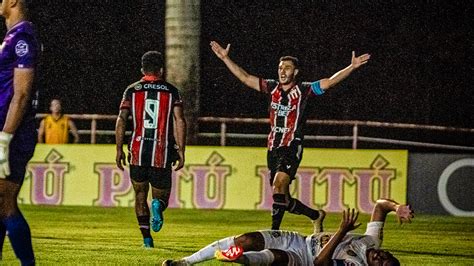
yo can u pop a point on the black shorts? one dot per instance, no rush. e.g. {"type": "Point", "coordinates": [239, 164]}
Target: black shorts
{"type": "Point", "coordinates": [21, 151]}
{"type": "Point", "coordinates": [157, 177]}
{"type": "Point", "coordinates": [285, 159]}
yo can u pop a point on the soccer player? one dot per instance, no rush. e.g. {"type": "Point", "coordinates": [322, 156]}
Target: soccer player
{"type": "Point", "coordinates": [275, 247]}
{"type": "Point", "coordinates": [19, 54]}
{"type": "Point", "coordinates": [157, 141]}
{"type": "Point", "coordinates": [288, 101]}
{"type": "Point", "coordinates": [55, 127]}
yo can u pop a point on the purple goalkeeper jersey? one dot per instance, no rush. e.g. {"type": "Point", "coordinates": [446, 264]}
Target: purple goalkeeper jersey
{"type": "Point", "coordinates": [19, 49]}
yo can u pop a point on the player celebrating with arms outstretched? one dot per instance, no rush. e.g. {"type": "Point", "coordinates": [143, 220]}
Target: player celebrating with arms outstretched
{"type": "Point", "coordinates": [289, 99]}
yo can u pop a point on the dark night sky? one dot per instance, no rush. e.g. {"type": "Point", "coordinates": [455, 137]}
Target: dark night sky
{"type": "Point", "coordinates": [420, 71]}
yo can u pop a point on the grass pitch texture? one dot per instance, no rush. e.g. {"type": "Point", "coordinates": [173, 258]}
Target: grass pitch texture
{"type": "Point", "coordinates": [93, 235]}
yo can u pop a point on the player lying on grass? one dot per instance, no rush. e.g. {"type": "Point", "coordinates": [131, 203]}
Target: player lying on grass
{"type": "Point", "coordinates": [321, 248]}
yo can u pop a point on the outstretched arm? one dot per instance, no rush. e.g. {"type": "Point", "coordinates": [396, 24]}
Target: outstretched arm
{"type": "Point", "coordinates": [356, 62]}
{"type": "Point", "coordinates": [347, 224]}
{"type": "Point", "coordinates": [246, 78]}
{"type": "Point", "coordinates": [384, 206]}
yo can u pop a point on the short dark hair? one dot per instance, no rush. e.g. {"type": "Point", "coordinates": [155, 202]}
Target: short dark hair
{"type": "Point", "coordinates": [293, 59]}
{"type": "Point", "coordinates": [394, 261]}
{"type": "Point", "coordinates": [152, 61]}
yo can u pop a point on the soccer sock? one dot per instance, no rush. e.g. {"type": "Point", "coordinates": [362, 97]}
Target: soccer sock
{"type": "Point", "coordinates": [20, 238]}
{"type": "Point", "coordinates": [278, 210]}
{"type": "Point", "coordinates": [208, 252]}
{"type": "Point", "coordinates": [264, 257]}
{"type": "Point", "coordinates": [163, 205]}
{"type": "Point", "coordinates": [296, 207]}
{"type": "Point", "coordinates": [144, 225]}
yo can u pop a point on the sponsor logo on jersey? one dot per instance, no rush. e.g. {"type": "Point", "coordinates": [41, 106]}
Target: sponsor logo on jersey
{"type": "Point", "coordinates": [138, 87]}
{"type": "Point", "coordinates": [140, 138]}
{"type": "Point", "coordinates": [282, 110]}
{"type": "Point", "coordinates": [21, 48]}
{"type": "Point", "coordinates": [155, 86]}
{"type": "Point", "coordinates": [281, 129]}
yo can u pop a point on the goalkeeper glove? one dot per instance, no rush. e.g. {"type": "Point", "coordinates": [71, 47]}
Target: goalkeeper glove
{"type": "Point", "coordinates": [5, 139]}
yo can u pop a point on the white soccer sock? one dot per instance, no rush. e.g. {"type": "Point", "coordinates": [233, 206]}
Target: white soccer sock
{"type": "Point", "coordinates": [264, 257]}
{"type": "Point", "coordinates": [207, 252]}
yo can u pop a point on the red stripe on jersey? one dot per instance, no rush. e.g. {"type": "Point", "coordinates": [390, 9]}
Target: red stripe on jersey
{"type": "Point", "coordinates": [276, 98]}
{"type": "Point", "coordinates": [138, 100]}
{"type": "Point", "coordinates": [161, 150]}
{"type": "Point", "coordinates": [292, 118]}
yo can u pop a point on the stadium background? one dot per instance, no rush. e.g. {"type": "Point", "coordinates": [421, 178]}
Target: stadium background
{"type": "Point", "coordinates": [420, 70]}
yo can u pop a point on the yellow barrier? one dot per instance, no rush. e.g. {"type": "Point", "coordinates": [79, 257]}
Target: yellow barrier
{"type": "Point", "coordinates": [218, 178]}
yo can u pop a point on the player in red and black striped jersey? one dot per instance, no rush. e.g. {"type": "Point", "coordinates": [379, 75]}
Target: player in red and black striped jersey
{"type": "Point", "coordinates": [157, 141]}
{"type": "Point", "coordinates": [289, 99]}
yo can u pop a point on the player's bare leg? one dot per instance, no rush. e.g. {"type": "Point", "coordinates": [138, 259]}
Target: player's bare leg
{"type": "Point", "coordinates": [142, 211]}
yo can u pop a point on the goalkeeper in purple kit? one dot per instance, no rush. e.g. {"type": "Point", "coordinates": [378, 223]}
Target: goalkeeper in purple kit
{"type": "Point", "coordinates": [19, 54]}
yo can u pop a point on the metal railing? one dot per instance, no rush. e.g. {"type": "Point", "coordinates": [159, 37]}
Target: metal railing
{"type": "Point", "coordinates": [355, 137]}
{"type": "Point", "coordinates": [223, 134]}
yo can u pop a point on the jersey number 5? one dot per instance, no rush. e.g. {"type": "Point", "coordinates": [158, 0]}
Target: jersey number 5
{"type": "Point", "coordinates": [151, 108]}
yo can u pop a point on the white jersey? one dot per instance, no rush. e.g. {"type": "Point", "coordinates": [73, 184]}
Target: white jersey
{"type": "Point", "coordinates": [352, 250]}
{"type": "Point", "coordinates": [304, 250]}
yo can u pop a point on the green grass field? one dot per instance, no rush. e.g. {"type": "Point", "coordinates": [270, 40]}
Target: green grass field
{"type": "Point", "coordinates": [92, 235]}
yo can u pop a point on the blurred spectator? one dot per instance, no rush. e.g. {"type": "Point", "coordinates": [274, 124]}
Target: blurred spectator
{"type": "Point", "coordinates": [55, 127]}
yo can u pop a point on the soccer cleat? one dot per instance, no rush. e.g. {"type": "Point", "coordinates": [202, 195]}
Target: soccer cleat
{"type": "Point", "coordinates": [148, 242]}
{"type": "Point", "coordinates": [157, 220]}
{"type": "Point", "coordinates": [318, 223]}
{"type": "Point", "coordinates": [232, 254]}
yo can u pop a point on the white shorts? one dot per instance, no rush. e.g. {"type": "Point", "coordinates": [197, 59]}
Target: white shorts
{"type": "Point", "coordinates": [291, 242]}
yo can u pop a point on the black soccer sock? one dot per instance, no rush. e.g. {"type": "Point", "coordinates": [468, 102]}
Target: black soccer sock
{"type": "Point", "coordinates": [278, 210]}
{"type": "Point", "coordinates": [3, 232]}
{"type": "Point", "coordinates": [144, 225]}
{"type": "Point", "coordinates": [297, 207]}
{"type": "Point", "coordinates": [163, 205]}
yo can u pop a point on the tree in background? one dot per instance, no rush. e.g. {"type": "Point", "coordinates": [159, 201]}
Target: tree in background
{"type": "Point", "coordinates": [182, 36]}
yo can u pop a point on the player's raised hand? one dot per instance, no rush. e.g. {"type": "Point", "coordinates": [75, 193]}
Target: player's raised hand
{"type": "Point", "coordinates": [360, 60]}
{"type": "Point", "coordinates": [219, 50]}
{"type": "Point", "coordinates": [349, 218]}
{"type": "Point", "coordinates": [120, 159]}
{"type": "Point", "coordinates": [405, 214]}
